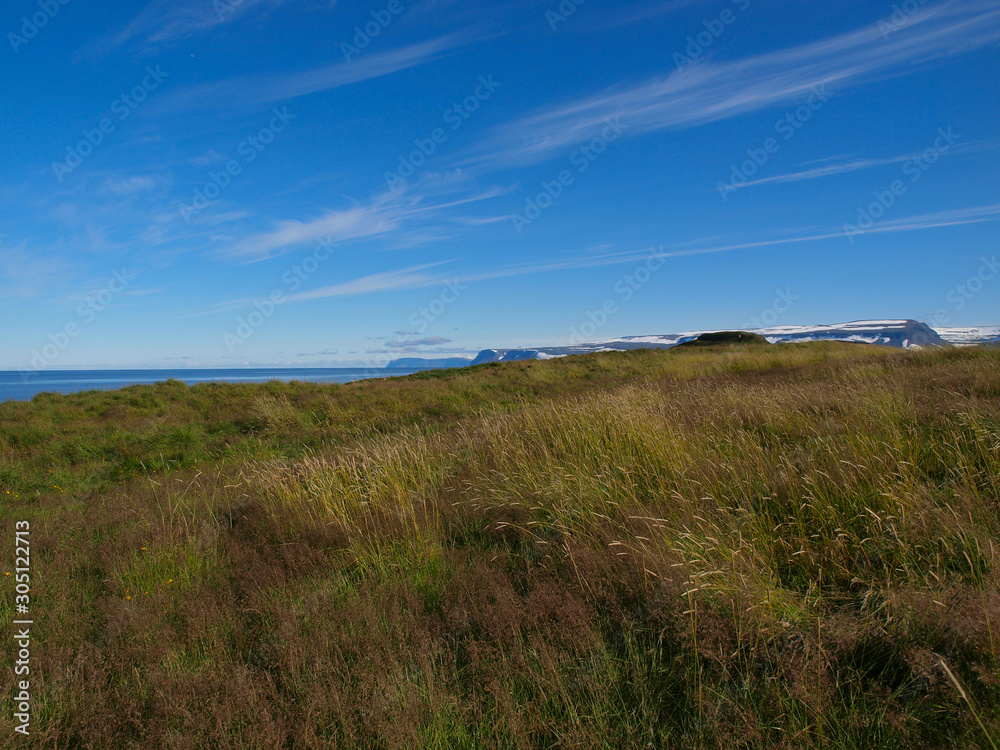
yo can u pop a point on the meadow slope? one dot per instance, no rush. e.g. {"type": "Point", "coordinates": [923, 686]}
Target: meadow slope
{"type": "Point", "coordinates": [746, 546]}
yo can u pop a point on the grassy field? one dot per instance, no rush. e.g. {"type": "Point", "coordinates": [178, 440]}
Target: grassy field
{"type": "Point", "coordinates": [737, 547]}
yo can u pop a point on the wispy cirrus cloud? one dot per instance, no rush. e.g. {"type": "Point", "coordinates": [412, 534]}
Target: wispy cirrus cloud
{"type": "Point", "coordinates": [415, 344]}
{"type": "Point", "coordinates": [854, 165]}
{"type": "Point", "coordinates": [422, 276]}
{"type": "Point", "coordinates": [249, 93]}
{"type": "Point", "coordinates": [828, 171]}
{"type": "Point", "coordinates": [30, 270]}
{"type": "Point", "coordinates": [128, 185]}
{"type": "Point", "coordinates": [413, 277]}
{"type": "Point", "coordinates": [937, 219]}
{"type": "Point", "coordinates": [605, 18]}
{"type": "Point", "coordinates": [413, 214]}
{"type": "Point", "coordinates": [165, 21]}
{"type": "Point", "coordinates": [713, 91]}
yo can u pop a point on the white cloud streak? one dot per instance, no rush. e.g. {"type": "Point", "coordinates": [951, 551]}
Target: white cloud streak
{"type": "Point", "coordinates": [405, 278]}
{"type": "Point", "coordinates": [401, 210]}
{"type": "Point", "coordinates": [165, 21]}
{"type": "Point", "coordinates": [855, 165]}
{"type": "Point", "coordinates": [417, 276]}
{"type": "Point", "coordinates": [833, 169]}
{"type": "Point", "coordinates": [248, 93]}
{"type": "Point", "coordinates": [711, 91]}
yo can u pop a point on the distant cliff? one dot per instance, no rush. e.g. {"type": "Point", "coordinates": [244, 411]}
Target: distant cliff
{"type": "Point", "coordinates": [409, 363]}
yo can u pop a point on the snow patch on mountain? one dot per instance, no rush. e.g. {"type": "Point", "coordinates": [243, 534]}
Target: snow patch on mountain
{"type": "Point", "coordinates": [905, 334]}
{"type": "Point", "coordinates": [970, 336]}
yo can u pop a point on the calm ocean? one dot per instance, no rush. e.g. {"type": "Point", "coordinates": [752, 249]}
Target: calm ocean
{"type": "Point", "coordinates": [14, 385]}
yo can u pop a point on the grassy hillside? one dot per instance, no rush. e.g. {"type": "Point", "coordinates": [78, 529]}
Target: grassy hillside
{"type": "Point", "coordinates": [744, 546]}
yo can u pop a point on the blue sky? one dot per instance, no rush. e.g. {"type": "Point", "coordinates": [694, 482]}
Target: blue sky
{"type": "Point", "coordinates": [199, 183]}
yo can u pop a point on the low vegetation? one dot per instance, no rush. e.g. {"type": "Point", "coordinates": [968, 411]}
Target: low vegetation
{"type": "Point", "coordinates": [736, 546]}
{"type": "Point", "coordinates": [726, 337]}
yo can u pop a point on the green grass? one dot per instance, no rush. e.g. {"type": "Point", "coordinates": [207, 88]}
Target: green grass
{"type": "Point", "coordinates": [712, 547]}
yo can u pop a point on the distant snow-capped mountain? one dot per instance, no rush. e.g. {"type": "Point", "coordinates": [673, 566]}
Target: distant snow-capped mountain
{"type": "Point", "coordinates": [904, 334]}
{"type": "Point", "coordinates": [901, 334]}
{"type": "Point", "coordinates": [970, 336]}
